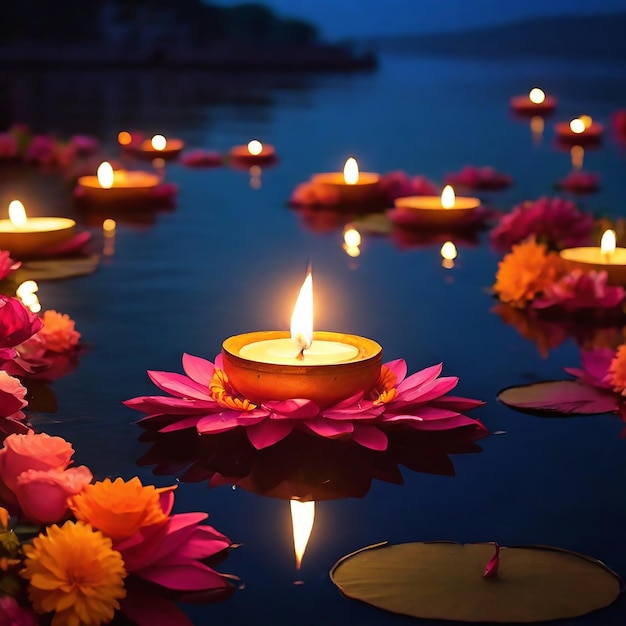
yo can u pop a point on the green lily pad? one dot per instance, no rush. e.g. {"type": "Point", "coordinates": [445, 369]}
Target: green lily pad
{"type": "Point", "coordinates": [443, 580]}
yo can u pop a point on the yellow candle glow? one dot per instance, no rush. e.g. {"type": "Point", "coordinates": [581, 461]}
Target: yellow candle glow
{"type": "Point", "coordinates": [448, 197]}
{"type": "Point", "coordinates": [577, 126]}
{"type": "Point", "coordinates": [124, 138]}
{"type": "Point", "coordinates": [117, 185]}
{"type": "Point", "coordinates": [448, 251]}
{"type": "Point", "coordinates": [607, 257]}
{"type": "Point", "coordinates": [302, 519]}
{"type": "Point", "coordinates": [534, 102]}
{"type": "Point", "coordinates": [254, 152]}
{"type": "Point", "coordinates": [105, 175]}
{"type": "Point", "coordinates": [351, 171]}
{"type": "Point", "coordinates": [321, 366]}
{"type": "Point", "coordinates": [352, 237]}
{"type": "Point", "coordinates": [255, 147]}
{"type": "Point", "coordinates": [351, 185]}
{"type": "Point", "coordinates": [536, 95]}
{"type": "Point", "coordinates": [24, 236]}
{"type": "Point", "coordinates": [158, 142]}
{"type": "Point", "coordinates": [160, 146]}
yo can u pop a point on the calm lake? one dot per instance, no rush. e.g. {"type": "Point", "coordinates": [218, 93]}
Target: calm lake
{"type": "Point", "coordinates": [230, 258]}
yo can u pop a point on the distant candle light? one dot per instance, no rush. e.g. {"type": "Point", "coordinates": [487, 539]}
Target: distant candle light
{"type": "Point", "coordinates": [536, 95]}
{"type": "Point", "coordinates": [159, 142]}
{"type": "Point", "coordinates": [577, 126]}
{"type": "Point", "coordinates": [255, 147]}
{"type": "Point", "coordinates": [351, 171]}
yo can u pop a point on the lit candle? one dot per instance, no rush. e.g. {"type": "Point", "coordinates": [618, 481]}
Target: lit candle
{"type": "Point", "coordinates": [352, 186]}
{"type": "Point", "coordinates": [321, 366]}
{"type": "Point", "coordinates": [24, 236]}
{"type": "Point", "coordinates": [606, 257]}
{"type": "Point", "coordinates": [534, 103]}
{"type": "Point", "coordinates": [111, 185]}
{"type": "Point", "coordinates": [160, 147]}
{"type": "Point", "coordinates": [302, 518]}
{"type": "Point", "coordinates": [445, 210]}
{"type": "Point", "coordinates": [254, 152]}
{"type": "Point", "coordinates": [579, 130]}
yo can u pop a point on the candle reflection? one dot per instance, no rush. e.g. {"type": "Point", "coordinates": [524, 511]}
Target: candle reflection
{"type": "Point", "coordinates": [27, 294]}
{"type": "Point", "coordinates": [351, 241]}
{"type": "Point", "coordinates": [108, 230]}
{"type": "Point", "coordinates": [537, 125]}
{"type": "Point", "coordinates": [255, 177]}
{"type": "Point", "coordinates": [578, 155]}
{"type": "Point", "coordinates": [448, 254]}
{"type": "Point", "coordinates": [302, 518]}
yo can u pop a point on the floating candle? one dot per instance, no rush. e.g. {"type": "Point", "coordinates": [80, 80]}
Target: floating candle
{"type": "Point", "coordinates": [607, 257]}
{"type": "Point", "coordinates": [160, 147]}
{"type": "Point", "coordinates": [579, 130]}
{"type": "Point", "coordinates": [24, 236]}
{"type": "Point", "coordinates": [110, 185]}
{"type": "Point", "coordinates": [254, 152]}
{"type": "Point", "coordinates": [324, 367]}
{"type": "Point", "coordinates": [534, 103]}
{"type": "Point", "coordinates": [351, 185]}
{"type": "Point", "coordinates": [445, 210]}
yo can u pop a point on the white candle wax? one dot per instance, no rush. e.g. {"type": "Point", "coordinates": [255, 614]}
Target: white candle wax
{"type": "Point", "coordinates": [595, 256]}
{"type": "Point", "coordinates": [284, 352]}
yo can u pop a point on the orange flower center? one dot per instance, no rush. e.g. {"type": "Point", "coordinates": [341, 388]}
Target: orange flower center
{"type": "Point", "coordinates": [221, 392]}
{"type": "Point", "coordinates": [386, 386]}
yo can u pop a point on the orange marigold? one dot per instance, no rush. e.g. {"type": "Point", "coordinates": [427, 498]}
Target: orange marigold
{"type": "Point", "coordinates": [617, 370]}
{"type": "Point", "coordinates": [74, 572]}
{"type": "Point", "coordinates": [58, 331]}
{"type": "Point", "coordinates": [386, 385]}
{"type": "Point", "coordinates": [525, 272]}
{"type": "Point", "coordinates": [118, 508]}
{"type": "Point", "coordinates": [219, 392]}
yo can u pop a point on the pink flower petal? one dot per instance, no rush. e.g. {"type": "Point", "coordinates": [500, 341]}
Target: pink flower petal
{"type": "Point", "coordinates": [188, 422]}
{"type": "Point", "coordinates": [179, 385]}
{"type": "Point", "coordinates": [175, 406]}
{"type": "Point", "coordinates": [419, 378]}
{"type": "Point", "coordinates": [217, 423]}
{"type": "Point", "coordinates": [398, 369]}
{"type": "Point", "coordinates": [296, 408]}
{"type": "Point", "coordinates": [328, 428]}
{"type": "Point", "coordinates": [370, 437]}
{"type": "Point", "coordinates": [268, 433]}
{"type": "Point", "coordinates": [494, 562]}
{"type": "Point", "coordinates": [199, 370]}
{"type": "Point", "coordinates": [187, 577]}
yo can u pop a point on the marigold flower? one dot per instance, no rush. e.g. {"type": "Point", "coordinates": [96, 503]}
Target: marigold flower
{"type": "Point", "coordinates": [525, 272]}
{"type": "Point", "coordinates": [617, 370]}
{"type": "Point", "coordinates": [58, 331]}
{"type": "Point", "coordinates": [118, 508]}
{"type": "Point", "coordinates": [74, 572]}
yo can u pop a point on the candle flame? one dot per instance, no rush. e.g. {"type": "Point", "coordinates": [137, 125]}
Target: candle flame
{"type": "Point", "coordinates": [536, 95]}
{"type": "Point", "coordinates": [17, 213]}
{"type": "Point", "coordinates": [352, 237]}
{"type": "Point", "coordinates": [351, 171]}
{"type": "Point", "coordinates": [302, 518]}
{"type": "Point", "coordinates": [255, 147]}
{"type": "Point", "coordinates": [105, 175]}
{"type": "Point", "coordinates": [447, 197]}
{"type": "Point", "coordinates": [108, 226]}
{"type": "Point", "coordinates": [124, 138]}
{"type": "Point", "coordinates": [448, 251]}
{"type": "Point", "coordinates": [302, 318]}
{"type": "Point", "coordinates": [577, 126]}
{"type": "Point", "coordinates": [586, 120]}
{"type": "Point", "coordinates": [159, 142]}
{"type": "Point", "coordinates": [607, 244]}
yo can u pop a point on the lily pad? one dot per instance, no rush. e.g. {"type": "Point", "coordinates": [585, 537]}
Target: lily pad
{"type": "Point", "coordinates": [444, 580]}
{"type": "Point", "coordinates": [559, 398]}
{"type": "Point", "coordinates": [56, 269]}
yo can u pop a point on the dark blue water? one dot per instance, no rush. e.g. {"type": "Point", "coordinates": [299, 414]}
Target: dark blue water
{"type": "Point", "coordinates": [230, 259]}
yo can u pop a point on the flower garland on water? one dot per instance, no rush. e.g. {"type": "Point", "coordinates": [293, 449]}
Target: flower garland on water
{"type": "Point", "coordinates": [205, 399]}
{"type": "Point", "coordinates": [556, 222]}
{"type": "Point", "coordinates": [532, 276]}
{"type": "Point", "coordinates": [93, 539]}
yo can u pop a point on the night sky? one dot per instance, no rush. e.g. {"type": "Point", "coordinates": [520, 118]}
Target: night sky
{"type": "Point", "coordinates": [354, 18]}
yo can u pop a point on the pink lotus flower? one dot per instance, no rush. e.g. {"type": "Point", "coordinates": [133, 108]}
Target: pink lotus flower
{"type": "Point", "coordinates": [398, 184]}
{"type": "Point", "coordinates": [201, 158]}
{"type": "Point", "coordinates": [579, 182]}
{"type": "Point", "coordinates": [12, 401]}
{"type": "Point", "coordinates": [7, 264]}
{"type": "Point", "coordinates": [84, 144]}
{"type": "Point", "coordinates": [8, 146]}
{"type": "Point", "coordinates": [170, 554]}
{"type": "Point", "coordinates": [311, 194]}
{"type": "Point", "coordinates": [554, 221]}
{"type": "Point", "coordinates": [472, 177]}
{"type": "Point", "coordinates": [595, 368]}
{"type": "Point", "coordinates": [42, 150]}
{"type": "Point", "coordinates": [204, 399]}
{"type": "Point", "coordinates": [12, 614]}
{"type": "Point", "coordinates": [58, 332]}
{"type": "Point", "coordinates": [580, 290]}
{"type": "Point", "coordinates": [17, 324]}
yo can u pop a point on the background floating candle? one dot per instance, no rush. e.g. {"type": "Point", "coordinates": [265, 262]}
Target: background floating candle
{"type": "Point", "coordinates": [110, 185]}
{"type": "Point", "coordinates": [351, 186]}
{"type": "Point", "coordinates": [536, 102]}
{"type": "Point", "coordinates": [253, 153]}
{"type": "Point", "coordinates": [160, 147]}
{"type": "Point", "coordinates": [579, 130]}
{"type": "Point", "coordinates": [23, 236]}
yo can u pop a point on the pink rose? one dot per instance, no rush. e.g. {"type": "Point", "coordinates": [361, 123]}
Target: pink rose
{"type": "Point", "coordinates": [58, 332]}
{"type": "Point", "coordinates": [7, 264]}
{"type": "Point", "coordinates": [12, 614]}
{"type": "Point", "coordinates": [32, 451]}
{"type": "Point", "coordinates": [17, 323]}
{"type": "Point", "coordinates": [12, 395]}
{"type": "Point", "coordinates": [43, 494]}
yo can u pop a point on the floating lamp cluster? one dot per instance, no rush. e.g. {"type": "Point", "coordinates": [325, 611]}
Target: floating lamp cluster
{"type": "Point", "coordinates": [25, 236]}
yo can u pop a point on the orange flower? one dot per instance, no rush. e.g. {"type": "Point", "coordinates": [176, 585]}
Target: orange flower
{"type": "Point", "coordinates": [525, 272]}
{"type": "Point", "coordinates": [219, 392]}
{"type": "Point", "coordinates": [58, 331]}
{"type": "Point", "coordinates": [74, 572]}
{"type": "Point", "coordinates": [119, 509]}
{"type": "Point", "coordinates": [617, 370]}
{"type": "Point", "coordinates": [386, 385]}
